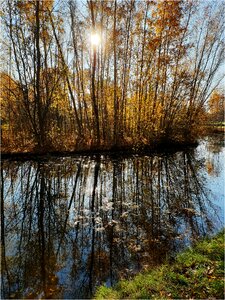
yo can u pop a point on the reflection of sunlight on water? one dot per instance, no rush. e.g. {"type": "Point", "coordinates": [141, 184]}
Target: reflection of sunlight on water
{"type": "Point", "coordinates": [90, 219]}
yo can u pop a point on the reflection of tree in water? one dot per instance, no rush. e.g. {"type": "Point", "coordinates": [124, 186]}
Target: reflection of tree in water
{"type": "Point", "coordinates": [72, 224]}
{"type": "Point", "coordinates": [29, 229]}
{"type": "Point", "coordinates": [215, 142]}
{"type": "Point", "coordinates": [214, 146]}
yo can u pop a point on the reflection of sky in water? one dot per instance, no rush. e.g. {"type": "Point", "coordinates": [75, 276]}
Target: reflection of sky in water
{"type": "Point", "coordinates": [144, 209]}
{"type": "Point", "coordinates": [214, 158]}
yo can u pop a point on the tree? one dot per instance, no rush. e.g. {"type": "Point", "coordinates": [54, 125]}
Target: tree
{"type": "Point", "coordinates": [217, 106]}
{"type": "Point", "coordinates": [147, 80]}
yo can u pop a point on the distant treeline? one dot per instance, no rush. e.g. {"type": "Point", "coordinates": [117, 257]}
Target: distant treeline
{"type": "Point", "coordinates": [108, 74]}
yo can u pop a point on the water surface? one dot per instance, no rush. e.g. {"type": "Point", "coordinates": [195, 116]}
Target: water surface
{"type": "Point", "coordinates": [70, 224]}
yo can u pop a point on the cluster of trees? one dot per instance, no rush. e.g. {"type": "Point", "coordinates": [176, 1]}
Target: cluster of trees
{"type": "Point", "coordinates": [148, 79]}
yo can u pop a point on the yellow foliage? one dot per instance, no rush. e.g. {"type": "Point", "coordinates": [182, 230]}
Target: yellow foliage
{"type": "Point", "coordinates": [216, 102]}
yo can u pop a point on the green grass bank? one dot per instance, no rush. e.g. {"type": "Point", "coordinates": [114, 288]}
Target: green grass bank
{"type": "Point", "coordinates": [197, 273]}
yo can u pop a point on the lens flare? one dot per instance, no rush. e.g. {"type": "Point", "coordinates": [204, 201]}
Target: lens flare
{"type": "Point", "coordinates": [95, 39]}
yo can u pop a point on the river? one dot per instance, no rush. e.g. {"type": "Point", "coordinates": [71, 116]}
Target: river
{"type": "Point", "coordinates": [70, 224]}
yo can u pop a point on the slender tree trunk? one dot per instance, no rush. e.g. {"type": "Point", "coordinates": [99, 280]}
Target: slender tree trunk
{"type": "Point", "coordinates": [93, 74]}
{"type": "Point", "coordinates": [41, 139]}
{"type": "Point", "coordinates": [79, 125]}
{"type": "Point", "coordinates": [115, 131]}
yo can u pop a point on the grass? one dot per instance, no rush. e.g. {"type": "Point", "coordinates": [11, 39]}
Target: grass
{"type": "Point", "coordinates": [197, 273]}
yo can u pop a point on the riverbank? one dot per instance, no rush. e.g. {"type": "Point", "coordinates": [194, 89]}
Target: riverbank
{"type": "Point", "coordinates": [113, 151]}
{"type": "Point", "coordinates": [124, 149]}
{"type": "Point", "coordinates": [197, 273]}
{"type": "Point", "coordinates": [216, 127]}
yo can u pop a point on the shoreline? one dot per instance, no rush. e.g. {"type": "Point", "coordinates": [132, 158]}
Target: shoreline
{"type": "Point", "coordinates": [196, 273]}
{"type": "Point", "coordinates": [158, 148]}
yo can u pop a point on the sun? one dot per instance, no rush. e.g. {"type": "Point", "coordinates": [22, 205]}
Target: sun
{"type": "Point", "coordinates": [95, 39]}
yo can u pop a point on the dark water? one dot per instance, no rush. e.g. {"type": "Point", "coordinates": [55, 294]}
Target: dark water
{"type": "Point", "coordinates": [70, 224]}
